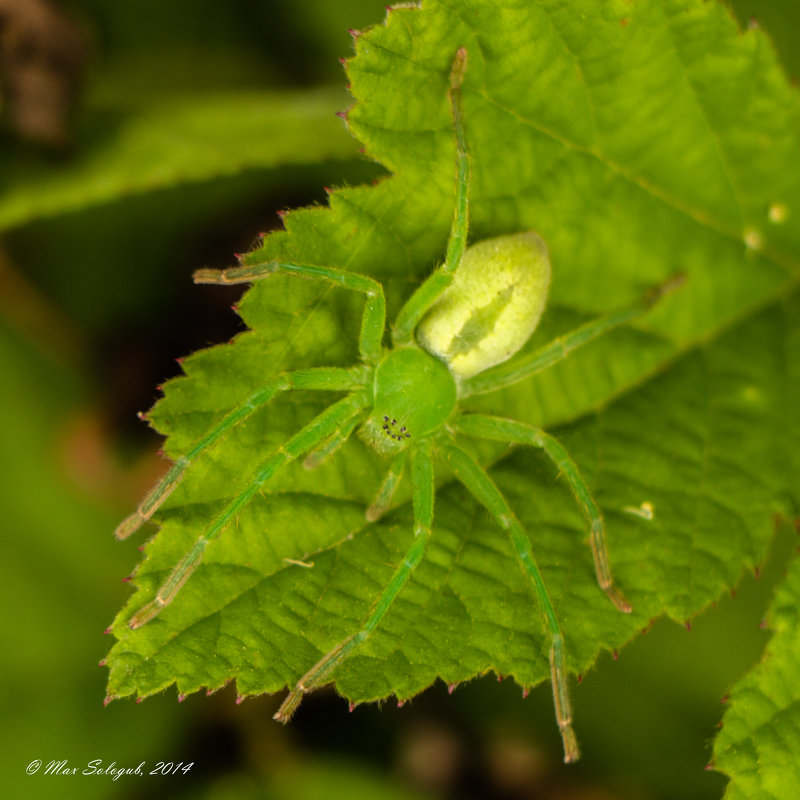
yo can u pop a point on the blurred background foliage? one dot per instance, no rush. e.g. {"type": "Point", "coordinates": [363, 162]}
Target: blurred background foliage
{"type": "Point", "coordinates": [140, 141]}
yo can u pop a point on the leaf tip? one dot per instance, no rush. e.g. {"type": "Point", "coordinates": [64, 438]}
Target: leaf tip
{"type": "Point", "coordinates": [108, 699]}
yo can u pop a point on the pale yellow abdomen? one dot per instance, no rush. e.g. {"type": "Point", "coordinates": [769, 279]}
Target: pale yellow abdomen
{"type": "Point", "coordinates": [492, 306]}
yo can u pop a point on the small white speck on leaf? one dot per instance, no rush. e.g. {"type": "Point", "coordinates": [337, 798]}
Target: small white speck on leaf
{"type": "Point", "coordinates": [753, 239]}
{"type": "Point", "coordinates": [306, 564]}
{"type": "Point", "coordinates": [778, 213]}
{"type": "Point", "coordinates": [645, 510]}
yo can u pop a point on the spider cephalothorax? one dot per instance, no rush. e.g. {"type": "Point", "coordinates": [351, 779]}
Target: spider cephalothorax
{"type": "Point", "coordinates": [458, 335]}
{"type": "Point", "coordinates": [413, 394]}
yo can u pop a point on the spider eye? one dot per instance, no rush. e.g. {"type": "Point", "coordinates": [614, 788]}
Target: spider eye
{"type": "Point", "coordinates": [394, 430]}
{"type": "Point", "coordinates": [493, 305]}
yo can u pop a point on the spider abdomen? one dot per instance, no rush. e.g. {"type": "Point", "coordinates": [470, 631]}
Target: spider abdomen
{"type": "Point", "coordinates": [414, 393]}
{"type": "Point", "coordinates": [493, 305]}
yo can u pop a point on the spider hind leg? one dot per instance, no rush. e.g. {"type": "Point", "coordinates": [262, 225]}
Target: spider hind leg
{"type": "Point", "coordinates": [481, 486]}
{"type": "Point", "coordinates": [510, 431]}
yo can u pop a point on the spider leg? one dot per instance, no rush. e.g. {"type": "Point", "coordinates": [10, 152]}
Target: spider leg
{"type": "Point", "coordinates": [331, 379]}
{"type": "Point", "coordinates": [426, 295]}
{"type": "Point", "coordinates": [478, 482]}
{"type": "Point", "coordinates": [330, 445]}
{"type": "Point", "coordinates": [507, 430]}
{"type": "Point", "coordinates": [373, 320]}
{"type": "Point", "coordinates": [521, 367]}
{"type": "Point", "coordinates": [334, 417]}
{"type": "Point", "coordinates": [386, 492]}
{"type": "Point", "coordinates": [422, 499]}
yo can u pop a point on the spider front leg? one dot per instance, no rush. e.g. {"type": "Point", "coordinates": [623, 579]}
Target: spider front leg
{"type": "Point", "coordinates": [321, 379]}
{"type": "Point", "coordinates": [327, 379]}
{"type": "Point", "coordinates": [478, 482]}
{"type": "Point", "coordinates": [338, 415]}
{"type": "Point", "coordinates": [386, 492]}
{"type": "Point", "coordinates": [422, 500]}
{"type": "Point", "coordinates": [373, 320]}
{"type": "Point", "coordinates": [511, 431]}
{"type": "Point", "coordinates": [431, 289]}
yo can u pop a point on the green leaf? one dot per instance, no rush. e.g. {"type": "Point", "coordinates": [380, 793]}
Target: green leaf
{"type": "Point", "coordinates": [760, 738]}
{"type": "Point", "coordinates": [640, 140]}
{"type": "Point", "coordinates": [174, 143]}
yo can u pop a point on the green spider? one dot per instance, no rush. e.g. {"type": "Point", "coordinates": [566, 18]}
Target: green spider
{"type": "Point", "coordinates": [469, 317]}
